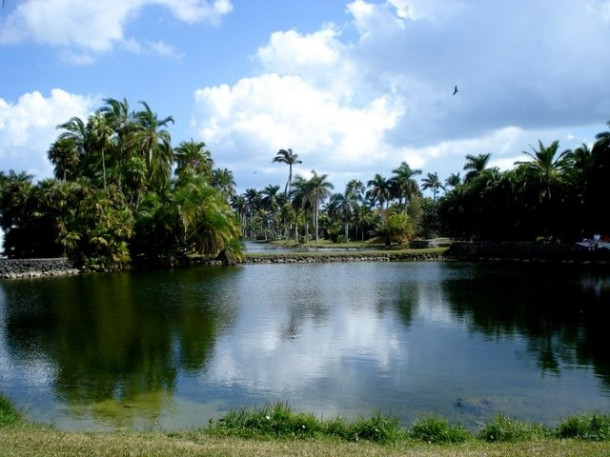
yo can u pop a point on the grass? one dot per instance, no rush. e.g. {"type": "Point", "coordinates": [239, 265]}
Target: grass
{"type": "Point", "coordinates": [275, 430]}
{"type": "Point", "coordinates": [8, 413]}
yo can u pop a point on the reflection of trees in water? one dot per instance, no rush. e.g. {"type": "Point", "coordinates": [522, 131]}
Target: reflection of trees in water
{"type": "Point", "coordinates": [562, 316]}
{"type": "Point", "coordinates": [116, 336]}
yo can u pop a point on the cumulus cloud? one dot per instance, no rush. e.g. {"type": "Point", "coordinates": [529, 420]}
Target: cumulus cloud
{"type": "Point", "coordinates": [92, 27]}
{"type": "Point", "coordinates": [358, 98]}
{"type": "Point", "coordinates": [28, 127]}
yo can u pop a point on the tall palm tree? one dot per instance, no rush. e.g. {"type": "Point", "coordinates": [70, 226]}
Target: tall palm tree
{"type": "Point", "coordinates": [343, 205]}
{"type": "Point", "coordinates": [271, 202]}
{"type": "Point", "coordinates": [153, 142]}
{"type": "Point", "coordinates": [380, 189]}
{"type": "Point", "coordinates": [432, 182]}
{"type": "Point", "coordinates": [475, 165]}
{"type": "Point", "coordinates": [121, 121]}
{"type": "Point", "coordinates": [290, 158]}
{"type": "Point", "coordinates": [406, 186]}
{"type": "Point", "coordinates": [319, 189]}
{"type": "Point", "coordinates": [100, 138]}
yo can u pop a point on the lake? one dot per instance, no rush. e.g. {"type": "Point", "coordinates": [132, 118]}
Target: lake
{"type": "Point", "coordinates": [166, 350]}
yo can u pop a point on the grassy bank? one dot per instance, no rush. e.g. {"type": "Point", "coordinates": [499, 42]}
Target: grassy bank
{"type": "Point", "coordinates": [277, 431]}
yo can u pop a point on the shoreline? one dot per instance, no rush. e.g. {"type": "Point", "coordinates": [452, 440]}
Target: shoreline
{"type": "Point", "coordinates": [497, 252]}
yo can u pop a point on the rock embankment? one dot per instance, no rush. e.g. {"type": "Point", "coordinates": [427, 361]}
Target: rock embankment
{"type": "Point", "coordinates": [36, 268]}
{"type": "Point", "coordinates": [341, 257]}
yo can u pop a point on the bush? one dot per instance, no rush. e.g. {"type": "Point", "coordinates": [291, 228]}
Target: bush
{"type": "Point", "coordinates": [379, 428]}
{"type": "Point", "coordinates": [505, 429]}
{"type": "Point", "coordinates": [594, 427]}
{"type": "Point", "coordinates": [8, 414]}
{"type": "Point", "coordinates": [434, 429]}
{"type": "Point", "coordinates": [276, 421]}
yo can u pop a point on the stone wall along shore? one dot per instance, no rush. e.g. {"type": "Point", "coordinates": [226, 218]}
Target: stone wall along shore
{"type": "Point", "coordinates": [36, 268]}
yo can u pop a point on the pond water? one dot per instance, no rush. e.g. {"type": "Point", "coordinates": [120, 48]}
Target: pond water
{"type": "Point", "coordinates": [168, 350]}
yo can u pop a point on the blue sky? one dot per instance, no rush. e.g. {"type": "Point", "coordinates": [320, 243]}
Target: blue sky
{"type": "Point", "coordinates": [354, 87]}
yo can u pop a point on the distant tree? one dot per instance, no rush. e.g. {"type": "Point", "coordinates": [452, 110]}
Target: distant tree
{"type": "Point", "coordinates": [289, 158]}
{"type": "Point", "coordinates": [319, 188]}
{"type": "Point", "coordinates": [475, 165]}
{"type": "Point", "coordinates": [380, 189]}
{"type": "Point", "coordinates": [406, 186]}
{"type": "Point", "coordinates": [432, 182]}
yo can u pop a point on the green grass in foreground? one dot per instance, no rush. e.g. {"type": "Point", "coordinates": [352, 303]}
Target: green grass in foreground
{"type": "Point", "coordinates": [277, 431]}
{"type": "Point", "coordinates": [278, 421]}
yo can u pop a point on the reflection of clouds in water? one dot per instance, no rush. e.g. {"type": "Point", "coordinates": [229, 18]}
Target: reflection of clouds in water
{"type": "Point", "coordinates": [333, 332]}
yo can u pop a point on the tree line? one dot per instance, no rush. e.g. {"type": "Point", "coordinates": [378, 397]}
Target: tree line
{"type": "Point", "coordinates": [550, 195]}
{"type": "Point", "coordinates": [121, 193]}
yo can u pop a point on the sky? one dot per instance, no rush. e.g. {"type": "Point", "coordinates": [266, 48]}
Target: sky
{"type": "Point", "coordinates": [354, 87]}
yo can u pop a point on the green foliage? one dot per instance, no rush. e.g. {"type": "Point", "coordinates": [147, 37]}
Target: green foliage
{"type": "Point", "coordinates": [379, 429]}
{"type": "Point", "coordinates": [588, 427]}
{"type": "Point", "coordinates": [271, 421]}
{"type": "Point", "coordinates": [395, 228]}
{"type": "Point", "coordinates": [278, 421]}
{"type": "Point", "coordinates": [505, 429]}
{"type": "Point", "coordinates": [433, 429]}
{"type": "Point", "coordinates": [8, 414]}
{"type": "Point", "coordinates": [114, 197]}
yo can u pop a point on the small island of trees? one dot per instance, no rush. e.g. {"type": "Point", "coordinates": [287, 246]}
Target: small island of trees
{"type": "Point", "coordinates": [122, 194]}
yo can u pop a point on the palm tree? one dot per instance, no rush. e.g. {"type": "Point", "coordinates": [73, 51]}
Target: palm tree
{"type": "Point", "coordinates": [475, 165]}
{"type": "Point", "coordinates": [380, 189]}
{"type": "Point", "coordinates": [64, 156]}
{"type": "Point", "coordinates": [121, 121]}
{"type": "Point", "coordinates": [355, 188]}
{"type": "Point", "coordinates": [546, 165]}
{"type": "Point", "coordinates": [343, 205]}
{"type": "Point", "coordinates": [432, 182]}
{"type": "Point", "coordinates": [453, 180]}
{"type": "Point", "coordinates": [405, 184]}
{"type": "Point", "coordinates": [290, 158]}
{"type": "Point", "coordinates": [271, 202]}
{"type": "Point", "coordinates": [192, 155]}
{"type": "Point", "coordinates": [154, 144]}
{"type": "Point", "coordinates": [222, 179]}
{"type": "Point", "coordinates": [99, 138]}
{"type": "Point", "coordinates": [318, 189]}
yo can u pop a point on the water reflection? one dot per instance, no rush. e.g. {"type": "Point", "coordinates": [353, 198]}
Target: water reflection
{"type": "Point", "coordinates": [169, 349]}
{"type": "Point", "coordinates": [562, 312]}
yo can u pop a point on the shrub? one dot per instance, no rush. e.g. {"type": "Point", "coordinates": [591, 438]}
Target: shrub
{"type": "Point", "coordinates": [276, 421]}
{"type": "Point", "coordinates": [8, 414]}
{"type": "Point", "coordinates": [505, 429]}
{"type": "Point", "coordinates": [434, 429]}
{"type": "Point", "coordinates": [593, 427]}
{"type": "Point", "coordinates": [379, 428]}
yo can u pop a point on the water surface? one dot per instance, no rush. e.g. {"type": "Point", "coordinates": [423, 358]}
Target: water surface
{"type": "Point", "coordinates": [172, 349]}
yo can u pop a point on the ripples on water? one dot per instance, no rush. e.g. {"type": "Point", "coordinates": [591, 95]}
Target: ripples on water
{"type": "Point", "coordinates": [172, 349]}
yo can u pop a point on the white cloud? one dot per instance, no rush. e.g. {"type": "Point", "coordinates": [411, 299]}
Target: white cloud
{"type": "Point", "coordinates": [252, 120]}
{"type": "Point", "coordinates": [93, 26]}
{"type": "Point", "coordinates": [28, 127]}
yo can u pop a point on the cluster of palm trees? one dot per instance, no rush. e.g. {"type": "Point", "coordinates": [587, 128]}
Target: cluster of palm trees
{"type": "Point", "coordinates": [360, 212]}
{"type": "Point", "coordinates": [551, 195]}
{"type": "Point", "coordinates": [121, 192]}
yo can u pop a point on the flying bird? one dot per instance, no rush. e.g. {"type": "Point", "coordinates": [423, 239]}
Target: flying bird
{"type": "Point", "coordinates": [455, 90]}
